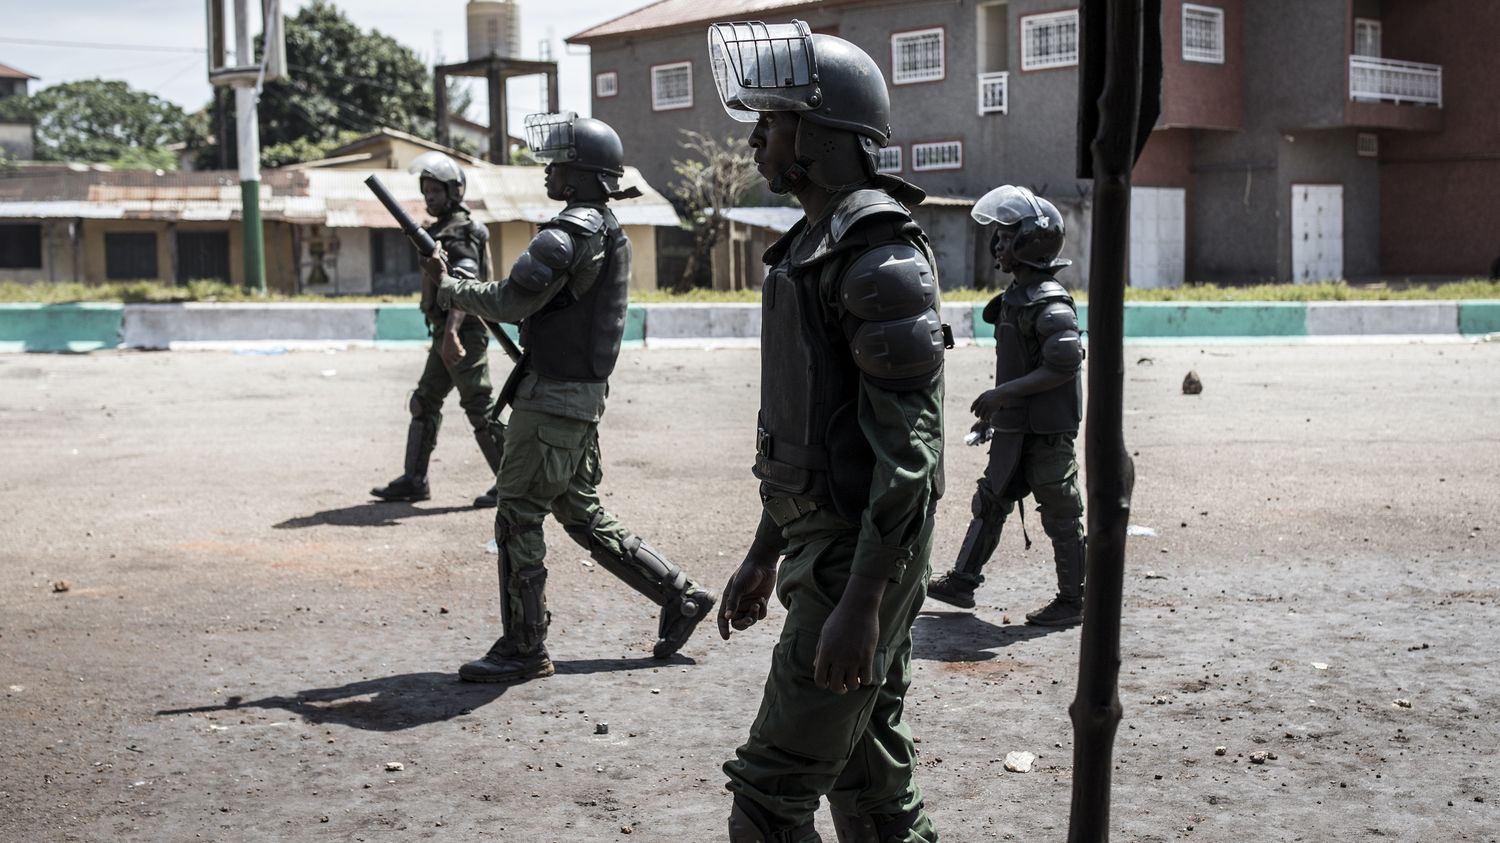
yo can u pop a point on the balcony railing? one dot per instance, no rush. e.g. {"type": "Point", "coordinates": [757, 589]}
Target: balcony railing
{"type": "Point", "coordinates": [1387, 80]}
{"type": "Point", "coordinates": [994, 92]}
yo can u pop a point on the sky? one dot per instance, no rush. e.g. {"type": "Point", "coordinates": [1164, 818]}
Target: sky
{"type": "Point", "coordinates": [158, 45]}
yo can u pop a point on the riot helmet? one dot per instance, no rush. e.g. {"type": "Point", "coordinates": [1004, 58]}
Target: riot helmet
{"type": "Point", "coordinates": [589, 151]}
{"type": "Point", "coordinates": [1035, 226]}
{"type": "Point", "coordinates": [439, 168]}
{"type": "Point", "coordinates": [834, 87]}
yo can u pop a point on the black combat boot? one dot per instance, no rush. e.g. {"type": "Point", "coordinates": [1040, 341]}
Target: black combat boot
{"type": "Point", "coordinates": [679, 617]}
{"type": "Point", "coordinates": [954, 588]}
{"type": "Point", "coordinates": [412, 484]}
{"type": "Point", "coordinates": [487, 500]}
{"type": "Point", "coordinates": [1066, 609]}
{"type": "Point", "coordinates": [507, 662]}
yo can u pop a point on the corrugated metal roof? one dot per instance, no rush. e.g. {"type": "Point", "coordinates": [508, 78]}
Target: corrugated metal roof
{"type": "Point", "coordinates": [667, 14]}
{"type": "Point", "coordinates": [775, 217]}
{"type": "Point", "coordinates": [8, 72]}
{"type": "Point", "coordinates": [337, 198]}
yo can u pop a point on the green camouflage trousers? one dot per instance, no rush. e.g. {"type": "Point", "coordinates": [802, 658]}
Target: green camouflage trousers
{"type": "Point", "coordinates": [807, 742]}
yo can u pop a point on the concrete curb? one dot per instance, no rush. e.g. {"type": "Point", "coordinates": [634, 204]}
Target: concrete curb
{"type": "Point", "coordinates": [85, 326]}
{"type": "Point", "coordinates": [168, 325]}
{"type": "Point", "coordinates": [90, 326]}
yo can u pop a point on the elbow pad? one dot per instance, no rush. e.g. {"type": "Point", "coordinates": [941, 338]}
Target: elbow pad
{"type": "Point", "coordinates": [1062, 343]}
{"type": "Point", "coordinates": [549, 254]}
{"type": "Point", "coordinates": [895, 333]}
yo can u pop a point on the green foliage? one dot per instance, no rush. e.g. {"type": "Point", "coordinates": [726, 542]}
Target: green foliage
{"type": "Point", "coordinates": [341, 79]}
{"type": "Point", "coordinates": [1325, 291]}
{"type": "Point", "coordinates": [303, 149]}
{"type": "Point", "coordinates": [155, 158]}
{"type": "Point", "coordinates": [97, 121]}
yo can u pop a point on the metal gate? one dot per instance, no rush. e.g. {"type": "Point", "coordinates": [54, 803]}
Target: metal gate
{"type": "Point", "coordinates": [1317, 232]}
{"type": "Point", "coordinates": [202, 256]}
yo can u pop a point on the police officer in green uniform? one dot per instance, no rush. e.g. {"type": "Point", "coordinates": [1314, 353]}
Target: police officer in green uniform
{"type": "Point", "coordinates": [849, 446]}
{"type": "Point", "coordinates": [457, 356]}
{"type": "Point", "coordinates": [568, 291]}
{"type": "Point", "coordinates": [1031, 416]}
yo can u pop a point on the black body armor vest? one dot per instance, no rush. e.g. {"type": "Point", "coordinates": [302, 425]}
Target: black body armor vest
{"type": "Point", "coordinates": [576, 337]}
{"type": "Point", "coordinates": [1018, 352]}
{"type": "Point", "coordinates": [808, 443]}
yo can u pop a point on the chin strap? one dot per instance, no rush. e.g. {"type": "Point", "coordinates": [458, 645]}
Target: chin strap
{"type": "Point", "coordinates": [792, 179]}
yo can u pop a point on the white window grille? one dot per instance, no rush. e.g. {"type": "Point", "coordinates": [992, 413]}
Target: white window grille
{"type": "Point", "coordinates": [994, 92]}
{"type": "Point", "coordinates": [672, 86]}
{"type": "Point", "coordinates": [1367, 37]}
{"type": "Point", "coordinates": [606, 84]}
{"type": "Point", "coordinates": [890, 159]}
{"type": "Point", "coordinates": [1049, 40]}
{"type": "Point", "coordinates": [940, 155]}
{"type": "Point", "coordinates": [1367, 145]}
{"type": "Point", "coordinates": [1388, 80]}
{"type": "Point", "coordinates": [917, 56]}
{"type": "Point", "coordinates": [1202, 34]}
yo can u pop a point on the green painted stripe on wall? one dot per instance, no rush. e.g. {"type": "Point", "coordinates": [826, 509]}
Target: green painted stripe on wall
{"type": "Point", "coordinates": [1479, 317]}
{"type": "Point", "coordinates": [83, 326]}
{"type": "Point", "coordinates": [405, 322]}
{"type": "Point", "coordinates": [1172, 319]}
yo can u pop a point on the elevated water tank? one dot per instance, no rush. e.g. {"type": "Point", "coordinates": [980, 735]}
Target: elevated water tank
{"type": "Point", "coordinates": [494, 28]}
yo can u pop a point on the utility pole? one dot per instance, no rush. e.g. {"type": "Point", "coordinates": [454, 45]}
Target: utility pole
{"type": "Point", "coordinates": [248, 76]}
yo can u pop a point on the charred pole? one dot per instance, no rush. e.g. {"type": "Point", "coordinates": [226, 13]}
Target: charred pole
{"type": "Point", "coordinates": [1119, 100]}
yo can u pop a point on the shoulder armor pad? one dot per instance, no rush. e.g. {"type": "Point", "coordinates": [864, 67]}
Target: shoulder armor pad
{"type": "Point", "coordinates": [889, 282]}
{"type": "Point", "coordinates": [862, 205]}
{"type": "Point", "coordinates": [550, 252]}
{"type": "Point", "coordinates": [900, 354]}
{"type": "Point", "coordinates": [580, 218]}
{"type": "Point", "coordinates": [1056, 317]}
{"type": "Point", "coordinates": [479, 232]}
{"type": "Point", "coordinates": [1047, 290]}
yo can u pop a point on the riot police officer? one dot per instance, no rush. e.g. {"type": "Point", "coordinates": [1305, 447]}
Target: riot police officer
{"type": "Point", "coordinates": [1032, 414]}
{"type": "Point", "coordinates": [848, 449]}
{"type": "Point", "coordinates": [568, 291]}
{"type": "Point", "coordinates": [458, 354]}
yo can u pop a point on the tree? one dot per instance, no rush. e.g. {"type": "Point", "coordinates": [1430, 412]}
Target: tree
{"type": "Point", "coordinates": [98, 121]}
{"type": "Point", "coordinates": [714, 180]}
{"type": "Point", "coordinates": [342, 79]}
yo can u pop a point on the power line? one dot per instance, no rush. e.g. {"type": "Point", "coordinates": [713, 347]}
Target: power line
{"type": "Point", "coordinates": [95, 45]}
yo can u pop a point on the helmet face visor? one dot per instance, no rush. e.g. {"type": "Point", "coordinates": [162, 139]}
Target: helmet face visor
{"type": "Point", "coordinates": [436, 165]}
{"type": "Point", "coordinates": [1006, 205]}
{"type": "Point", "coordinates": [763, 67]}
{"type": "Point", "coordinates": [550, 136]}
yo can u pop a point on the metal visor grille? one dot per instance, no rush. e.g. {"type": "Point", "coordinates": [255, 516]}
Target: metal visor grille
{"type": "Point", "coordinates": [760, 67]}
{"type": "Point", "coordinates": [550, 136]}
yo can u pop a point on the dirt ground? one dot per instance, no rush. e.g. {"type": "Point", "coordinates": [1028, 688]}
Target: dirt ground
{"type": "Point", "coordinates": [245, 641]}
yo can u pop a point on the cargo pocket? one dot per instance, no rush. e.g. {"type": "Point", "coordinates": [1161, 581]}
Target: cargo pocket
{"type": "Point", "coordinates": [561, 447]}
{"type": "Point", "coordinates": [806, 720]}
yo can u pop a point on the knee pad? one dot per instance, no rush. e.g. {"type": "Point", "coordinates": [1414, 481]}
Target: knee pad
{"type": "Point", "coordinates": [1063, 527]}
{"type": "Point", "coordinates": [419, 408]}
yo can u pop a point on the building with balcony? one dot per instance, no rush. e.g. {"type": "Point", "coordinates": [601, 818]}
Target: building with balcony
{"type": "Point", "coordinates": [1293, 138]}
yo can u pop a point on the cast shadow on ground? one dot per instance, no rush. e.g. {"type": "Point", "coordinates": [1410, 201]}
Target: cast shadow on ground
{"type": "Point", "coordinates": [372, 514]}
{"type": "Point", "coordinates": [964, 637]}
{"type": "Point", "coordinates": [406, 700]}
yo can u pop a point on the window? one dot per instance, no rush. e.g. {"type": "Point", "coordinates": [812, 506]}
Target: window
{"type": "Point", "coordinates": [942, 155]}
{"type": "Point", "coordinates": [606, 84]}
{"type": "Point", "coordinates": [993, 90]}
{"type": "Point", "coordinates": [890, 159]}
{"type": "Point", "coordinates": [672, 86]}
{"type": "Point", "coordinates": [130, 256]}
{"type": "Point", "coordinates": [1049, 40]}
{"type": "Point", "coordinates": [917, 56]}
{"type": "Point", "coordinates": [1367, 145]}
{"type": "Point", "coordinates": [1202, 34]}
{"type": "Point", "coordinates": [1367, 37]}
{"type": "Point", "coordinates": [20, 246]}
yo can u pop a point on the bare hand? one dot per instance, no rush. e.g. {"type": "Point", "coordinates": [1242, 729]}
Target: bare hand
{"type": "Point", "coordinates": [434, 268]}
{"type": "Point", "coordinates": [452, 349]}
{"type": "Point", "coordinates": [991, 401]}
{"type": "Point", "coordinates": [846, 649]}
{"type": "Point", "coordinates": [746, 596]}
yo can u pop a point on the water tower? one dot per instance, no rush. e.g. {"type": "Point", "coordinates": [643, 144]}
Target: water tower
{"type": "Point", "coordinates": [495, 56]}
{"type": "Point", "coordinates": [494, 29]}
